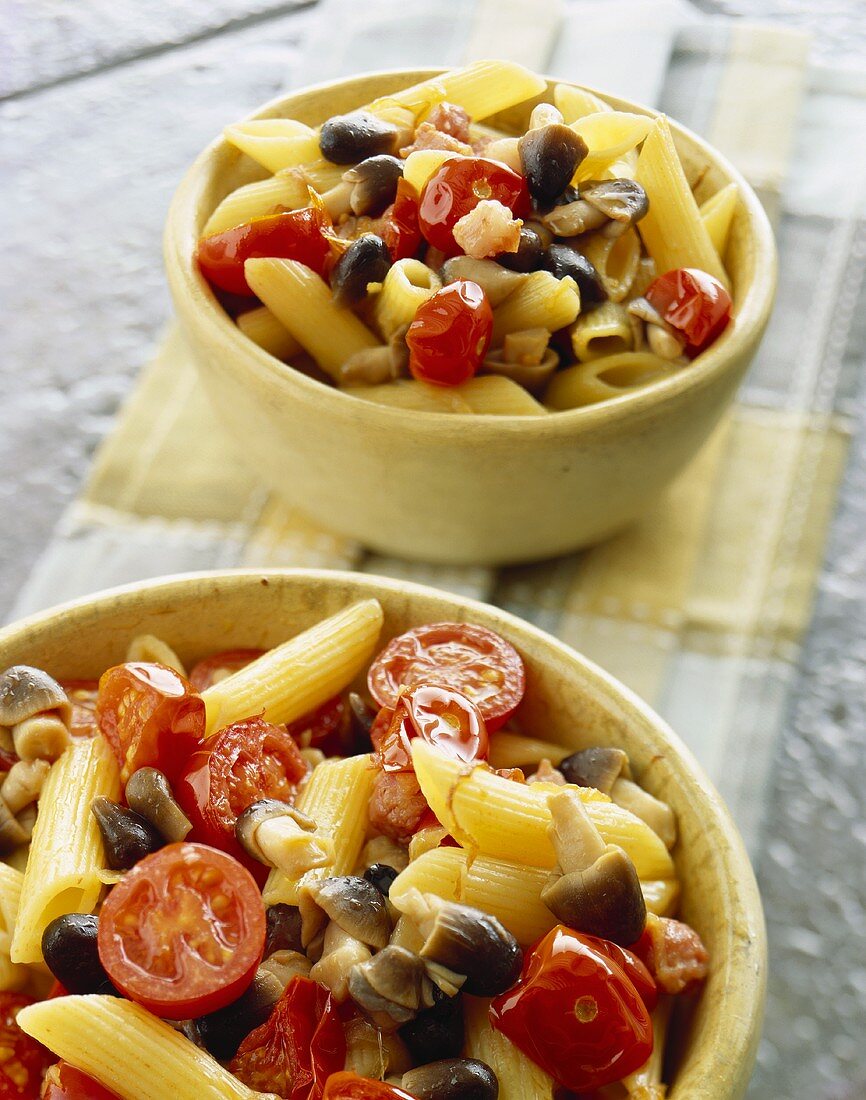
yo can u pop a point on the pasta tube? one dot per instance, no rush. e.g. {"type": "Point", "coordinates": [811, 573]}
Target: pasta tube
{"type": "Point", "coordinates": [336, 797]}
{"type": "Point", "coordinates": [661, 896]}
{"type": "Point", "coordinates": [481, 89]}
{"type": "Point", "coordinates": [285, 191]}
{"type": "Point", "coordinates": [296, 677]}
{"type": "Point", "coordinates": [519, 1077]}
{"type": "Point", "coordinates": [498, 817]}
{"type": "Point", "coordinates": [540, 301]}
{"type": "Point", "coordinates": [608, 135]}
{"type": "Point", "coordinates": [406, 286]}
{"type": "Point", "coordinates": [408, 393]}
{"type": "Point", "coordinates": [303, 303]}
{"type": "Point", "coordinates": [606, 330]}
{"type": "Point", "coordinates": [10, 897]}
{"type": "Point", "coordinates": [494, 395]}
{"type": "Point", "coordinates": [513, 750]}
{"type": "Point", "coordinates": [602, 379]}
{"type": "Point", "coordinates": [617, 260]}
{"type": "Point", "coordinates": [275, 143]}
{"type": "Point", "coordinates": [574, 103]}
{"type": "Point", "coordinates": [263, 328]}
{"type": "Point", "coordinates": [66, 854]}
{"type": "Point", "coordinates": [717, 213]}
{"type": "Point", "coordinates": [128, 1050]}
{"type": "Point", "coordinates": [672, 230]}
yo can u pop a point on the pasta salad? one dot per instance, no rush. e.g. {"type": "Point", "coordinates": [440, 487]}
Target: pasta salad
{"type": "Point", "coordinates": [412, 255]}
{"type": "Point", "coordinates": [250, 879]}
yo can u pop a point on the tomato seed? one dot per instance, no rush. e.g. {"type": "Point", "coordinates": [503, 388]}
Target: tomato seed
{"type": "Point", "coordinates": [586, 1009]}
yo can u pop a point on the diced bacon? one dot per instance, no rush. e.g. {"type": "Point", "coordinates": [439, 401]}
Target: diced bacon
{"type": "Point", "coordinates": [673, 953]}
{"type": "Point", "coordinates": [450, 119]}
{"type": "Point", "coordinates": [397, 805]}
{"type": "Point", "coordinates": [487, 230]}
{"type": "Point", "coordinates": [428, 137]}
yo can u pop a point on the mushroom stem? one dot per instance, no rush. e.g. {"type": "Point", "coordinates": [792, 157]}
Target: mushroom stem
{"type": "Point", "coordinates": [340, 952]}
{"type": "Point", "coordinates": [23, 783]}
{"type": "Point", "coordinates": [577, 842]}
{"type": "Point", "coordinates": [657, 814]}
{"type": "Point", "coordinates": [284, 844]}
{"type": "Point", "coordinates": [285, 965]}
{"type": "Point", "coordinates": [646, 1083]}
{"type": "Point", "coordinates": [42, 737]}
{"type": "Point", "coordinates": [337, 199]}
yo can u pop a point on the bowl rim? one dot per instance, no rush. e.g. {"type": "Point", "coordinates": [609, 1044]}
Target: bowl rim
{"type": "Point", "coordinates": [705, 370]}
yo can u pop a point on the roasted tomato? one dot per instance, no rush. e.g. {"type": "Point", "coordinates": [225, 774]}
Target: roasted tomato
{"type": "Point", "coordinates": [216, 667]}
{"type": "Point", "coordinates": [673, 953]}
{"type": "Point", "coordinates": [694, 303]}
{"type": "Point", "coordinates": [575, 1013]}
{"type": "Point", "coordinates": [399, 225]}
{"type": "Point", "coordinates": [82, 695]}
{"type": "Point", "coordinates": [23, 1060]}
{"type": "Point", "coordinates": [65, 1082]}
{"type": "Point", "coordinates": [240, 764]}
{"type": "Point", "coordinates": [291, 235]}
{"type": "Point", "coordinates": [327, 728]}
{"type": "Point", "coordinates": [297, 1049]}
{"type": "Point", "coordinates": [397, 806]}
{"type": "Point", "coordinates": [450, 334]}
{"type": "Point", "coordinates": [150, 716]}
{"type": "Point", "coordinates": [349, 1086]}
{"type": "Point", "coordinates": [183, 932]}
{"type": "Point", "coordinates": [470, 659]}
{"type": "Point", "coordinates": [442, 717]}
{"type": "Point", "coordinates": [457, 187]}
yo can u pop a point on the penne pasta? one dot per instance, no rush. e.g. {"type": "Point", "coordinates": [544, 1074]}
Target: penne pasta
{"type": "Point", "coordinates": [717, 213]}
{"type": "Point", "coordinates": [645, 1083]}
{"type": "Point", "coordinates": [303, 303]}
{"type": "Point", "coordinates": [574, 103]}
{"type": "Point", "coordinates": [420, 165]}
{"type": "Point", "coordinates": [264, 329]}
{"type": "Point", "coordinates": [322, 174]}
{"type": "Point", "coordinates": [617, 260]}
{"type": "Point", "coordinates": [481, 89]}
{"type": "Point", "coordinates": [408, 393]}
{"type": "Point", "coordinates": [128, 1050]}
{"type": "Point", "coordinates": [287, 190]}
{"type": "Point", "coordinates": [604, 379]}
{"type": "Point", "coordinates": [66, 854]}
{"type": "Point", "coordinates": [661, 896]}
{"type": "Point", "coordinates": [10, 897]}
{"type": "Point", "coordinates": [498, 817]}
{"type": "Point", "coordinates": [336, 797]}
{"type": "Point", "coordinates": [275, 143]}
{"type": "Point", "coordinates": [519, 1077]}
{"type": "Point", "coordinates": [540, 301]}
{"type": "Point", "coordinates": [605, 330]}
{"type": "Point", "coordinates": [296, 677]}
{"type": "Point", "coordinates": [494, 395]}
{"type": "Point", "coordinates": [672, 230]}
{"type": "Point", "coordinates": [406, 286]}
{"type": "Point", "coordinates": [608, 135]}
{"type": "Point", "coordinates": [513, 750]}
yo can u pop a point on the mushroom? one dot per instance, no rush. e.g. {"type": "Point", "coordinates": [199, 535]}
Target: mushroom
{"type": "Point", "coordinates": [598, 890]}
{"type": "Point", "coordinates": [340, 953]}
{"type": "Point", "coordinates": [544, 114]}
{"type": "Point", "coordinates": [278, 835]}
{"type": "Point", "coordinates": [562, 259]}
{"type": "Point", "coordinates": [347, 139]}
{"type": "Point", "coordinates": [365, 261]}
{"type": "Point", "coordinates": [37, 710]}
{"type": "Point", "coordinates": [390, 986]}
{"type": "Point", "coordinates": [23, 783]}
{"type": "Point", "coordinates": [623, 201]}
{"type": "Point", "coordinates": [381, 876]}
{"type": "Point", "coordinates": [13, 833]}
{"type": "Point", "coordinates": [285, 965]}
{"type": "Point", "coordinates": [223, 1031]}
{"type": "Point", "coordinates": [372, 366]}
{"type": "Point", "coordinates": [436, 1032]}
{"type": "Point", "coordinates": [529, 255]}
{"type": "Point", "coordinates": [382, 849]}
{"type": "Point", "coordinates": [496, 282]}
{"type": "Point", "coordinates": [350, 902]}
{"type": "Point", "coordinates": [657, 814]}
{"type": "Point", "coordinates": [70, 952]}
{"type": "Point", "coordinates": [283, 924]}
{"type": "Point", "coordinates": [126, 835]}
{"type": "Point", "coordinates": [521, 367]}
{"type": "Point", "coordinates": [373, 1053]}
{"type": "Point", "coordinates": [570, 219]}
{"type": "Point", "coordinates": [664, 344]}
{"type": "Point", "coordinates": [362, 714]}
{"type": "Point", "coordinates": [466, 941]}
{"type": "Point", "coordinates": [149, 794]}
{"type": "Point", "coordinates": [549, 156]}
{"type": "Point", "coordinates": [452, 1079]}
{"type": "Point", "coordinates": [597, 767]}
{"type": "Point", "coordinates": [374, 184]}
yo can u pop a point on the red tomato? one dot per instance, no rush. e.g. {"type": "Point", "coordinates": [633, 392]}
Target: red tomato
{"type": "Point", "coordinates": [575, 1013]}
{"type": "Point", "coordinates": [441, 716]}
{"type": "Point", "coordinates": [399, 224]}
{"type": "Point", "coordinates": [673, 953]}
{"type": "Point", "coordinates": [65, 1082]}
{"type": "Point", "coordinates": [183, 932]}
{"type": "Point", "coordinates": [291, 235]}
{"type": "Point", "coordinates": [208, 671]}
{"type": "Point", "coordinates": [696, 304]}
{"type": "Point", "coordinates": [23, 1061]}
{"type": "Point", "coordinates": [632, 966]}
{"type": "Point", "coordinates": [397, 807]}
{"type": "Point", "coordinates": [150, 716]}
{"type": "Point", "coordinates": [458, 187]}
{"type": "Point", "coordinates": [297, 1048]}
{"type": "Point", "coordinates": [349, 1086]}
{"type": "Point", "coordinates": [82, 695]}
{"type": "Point", "coordinates": [326, 728]}
{"type": "Point", "coordinates": [242, 763]}
{"type": "Point", "coordinates": [470, 659]}
{"type": "Point", "coordinates": [450, 334]}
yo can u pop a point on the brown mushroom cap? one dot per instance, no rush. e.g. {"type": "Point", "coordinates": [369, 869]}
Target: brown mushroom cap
{"type": "Point", "coordinates": [598, 767]}
{"type": "Point", "coordinates": [25, 691]}
{"type": "Point", "coordinates": [471, 942]}
{"type": "Point", "coordinates": [352, 903]}
{"type": "Point", "coordinates": [604, 900]}
{"type": "Point", "coordinates": [452, 1079]}
{"type": "Point", "coordinates": [624, 201]}
{"type": "Point", "coordinates": [391, 982]}
{"type": "Point", "coordinates": [149, 794]}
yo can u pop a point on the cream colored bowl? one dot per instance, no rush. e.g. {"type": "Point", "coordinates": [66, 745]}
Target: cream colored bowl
{"type": "Point", "coordinates": [568, 699]}
{"type": "Point", "coordinates": [432, 486]}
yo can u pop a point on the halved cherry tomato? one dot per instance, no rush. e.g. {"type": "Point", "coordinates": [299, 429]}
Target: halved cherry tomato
{"type": "Point", "coordinates": [442, 717]}
{"type": "Point", "coordinates": [397, 807]}
{"type": "Point", "coordinates": [150, 716]}
{"type": "Point", "coordinates": [297, 1048]}
{"type": "Point", "coordinates": [327, 728]}
{"type": "Point", "coordinates": [23, 1060]}
{"type": "Point", "coordinates": [82, 695]}
{"type": "Point", "coordinates": [694, 303]}
{"type": "Point", "coordinates": [400, 229]}
{"type": "Point", "coordinates": [457, 187]}
{"type": "Point", "coordinates": [291, 235]}
{"type": "Point", "coordinates": [183, 932]}
{"type": "Point", "coordinates": [470, 659]}
{"type": "Point", "coordinates": [575, 1013]}
{"type": "Point", "coordinates": [65, 1082]}
{"type": "Point", "coordinates": [349, 1086]}
{"type": "Point", "coordinates": [239, 765]}
{"type": "Point", "coordinates": [450, 334]}
{"type": "Point", "coordinates": [211, 669]}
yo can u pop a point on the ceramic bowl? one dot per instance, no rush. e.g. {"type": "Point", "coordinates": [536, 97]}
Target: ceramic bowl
{"type": "Point", "coordinates": [485, 490]}
{"type": "Point", "coordinates": [568, 699]}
